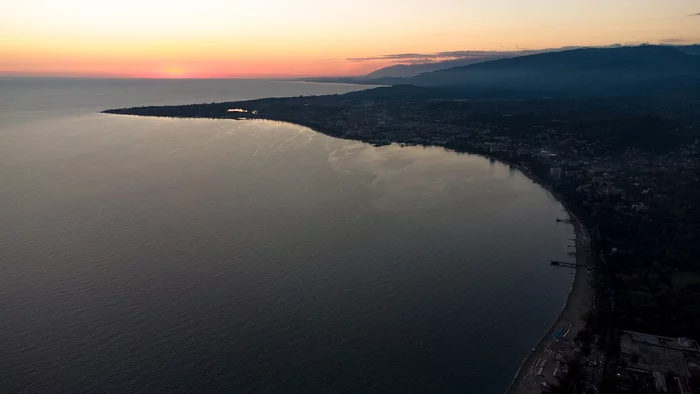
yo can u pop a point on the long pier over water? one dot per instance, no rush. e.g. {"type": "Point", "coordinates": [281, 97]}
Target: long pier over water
{"type": "Point", "coordinates": [565, 264]}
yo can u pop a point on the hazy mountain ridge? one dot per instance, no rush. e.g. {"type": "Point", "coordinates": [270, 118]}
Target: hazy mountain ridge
{"type": "Point", "coordinates": [570, 68]}
{"type": "Point", "coordinates": [412, 70]}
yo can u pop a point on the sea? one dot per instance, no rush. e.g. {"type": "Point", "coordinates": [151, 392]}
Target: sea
{"type": "Point", "coordinates": [191, 255]}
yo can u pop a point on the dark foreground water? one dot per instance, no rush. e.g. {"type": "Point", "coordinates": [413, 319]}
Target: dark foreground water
{"type": "Point", "coordinates": [161, 255]}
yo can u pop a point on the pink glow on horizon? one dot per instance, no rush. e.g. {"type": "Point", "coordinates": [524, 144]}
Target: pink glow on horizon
{"type": "Point", "coordinates": [199, 70]}
{"type": "Point", "coordinates": [302, 38]}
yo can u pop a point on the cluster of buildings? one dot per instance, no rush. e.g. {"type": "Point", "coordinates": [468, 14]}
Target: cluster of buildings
{"type": "Point", "coordinates": [656, 363]}
{"type": "Point", "coordinates": [576, 144]}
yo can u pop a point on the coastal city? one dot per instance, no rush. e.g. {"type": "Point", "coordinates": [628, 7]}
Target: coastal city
{"type": "Point", "coordinates": [333, 196]}
{"type": "Point", "coordinates": [625, 169]}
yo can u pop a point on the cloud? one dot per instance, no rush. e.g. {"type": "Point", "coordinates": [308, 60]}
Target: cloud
{"type": "Point", "coordinates": [436, 56]}
{"type": "Point", "coordinates": [397, 56]}
{"type": "Point", "coordinates": [673, 40]}
{"type": "Point", "coordinates": [326, 60]}
{"type": "Point", "coordinates": [424, 58]}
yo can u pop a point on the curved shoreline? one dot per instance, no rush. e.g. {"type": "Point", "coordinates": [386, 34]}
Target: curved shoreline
{"type": "Point", "coordinates": [581, 237]}
{"type": "Point", "coordinates": [568, 306]}
{"type": "Point", "coordinates": [573, 300]}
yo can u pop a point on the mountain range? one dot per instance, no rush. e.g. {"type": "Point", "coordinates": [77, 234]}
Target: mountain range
{"type": "Point", "coordinates": [630, 71]}
{"type": "Point", "coordinates": [473, 57]}
{"type": "Point", "coordinates": [570, 68]}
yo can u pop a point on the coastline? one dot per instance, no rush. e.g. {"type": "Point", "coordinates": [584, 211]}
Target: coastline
{"type": "Point", "coordinates": [570, 313]}
{"type": "Point", "coordinates": [573, 308]}
{"type": "Point", "coordinates": [576, 302]}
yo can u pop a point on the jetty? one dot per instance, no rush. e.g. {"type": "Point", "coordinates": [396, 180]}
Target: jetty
{"type": "Point", "coordinates": [565, 264]}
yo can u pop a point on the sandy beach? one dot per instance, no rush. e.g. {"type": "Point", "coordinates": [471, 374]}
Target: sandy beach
{"type": "Point", "coordinates": [542, 363]}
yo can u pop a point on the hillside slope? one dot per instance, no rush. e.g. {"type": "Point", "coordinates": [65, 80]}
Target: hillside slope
{"type": "Point", "coordinates": [590, 68]}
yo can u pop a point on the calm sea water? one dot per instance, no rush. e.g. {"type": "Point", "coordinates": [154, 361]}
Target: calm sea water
{"type": "Point", "coordinates": [163, 255]}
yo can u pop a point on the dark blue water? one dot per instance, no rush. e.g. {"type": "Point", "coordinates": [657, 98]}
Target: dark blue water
{"type": "Point", "coordinates": [162, 255]}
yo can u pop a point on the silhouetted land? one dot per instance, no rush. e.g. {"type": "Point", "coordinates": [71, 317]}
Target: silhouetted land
{"type": "Point", "coordinates": [557, 70]}
{"type": "Point", "coordinates": [628, 166]}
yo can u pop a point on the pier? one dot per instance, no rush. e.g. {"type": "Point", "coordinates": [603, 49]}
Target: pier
{"type": "Point", "coordinates": [565, 264]}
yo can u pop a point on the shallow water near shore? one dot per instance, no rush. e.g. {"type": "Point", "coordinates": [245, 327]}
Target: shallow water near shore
{"type": "Point", "coordinates": [173, 255]}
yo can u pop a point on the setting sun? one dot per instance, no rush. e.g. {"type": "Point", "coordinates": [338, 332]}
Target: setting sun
{"type": "Point", "coordinates": [277, 38]}
{"type": "Point", "coordinates": [174, 72]}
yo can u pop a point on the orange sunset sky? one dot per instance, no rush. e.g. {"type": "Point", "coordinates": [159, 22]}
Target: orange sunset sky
{"type": "Point", "coordinates": [280, 38]}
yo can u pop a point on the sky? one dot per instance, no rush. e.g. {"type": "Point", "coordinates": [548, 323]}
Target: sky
{"type": "Point", "coordinates": [295, 38]}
